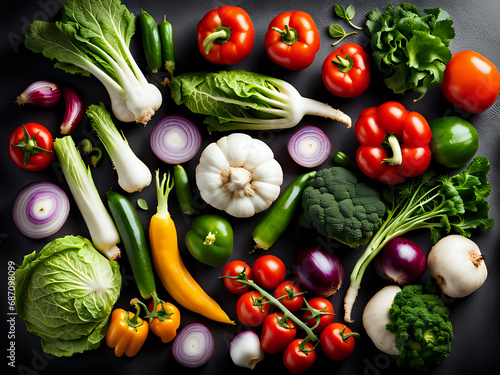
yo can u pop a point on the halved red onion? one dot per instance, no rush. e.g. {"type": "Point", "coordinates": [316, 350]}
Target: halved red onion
{"type": "Point", "coordinates": [401, 260]}
{"type": "Point", "coordinates": [175, 139]}
{"type": "Point", "coordinates": [193, 346]}
{"type": "Point", "coordinates": [40, 209]}
{"type": "Point", "coordinates": [74, 110]}
{"type": "Point", "coordinates": [309, 146]}
{"type": "Point", "coordinates": [318, 271]}
{"type": "Point", "coordinates": [41, 94]}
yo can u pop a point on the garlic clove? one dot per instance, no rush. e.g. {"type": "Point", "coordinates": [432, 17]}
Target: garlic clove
{"type": "Point", "coordinates": [269, 172]}
{"type": "Point", "coordinates": [236, 148]}
{"type": "Point", "coordinates": [213, 157]}
{"type": "Point", "coordinates": [240, 207]}
{"type": "Point", "coordinates": [258, 154]}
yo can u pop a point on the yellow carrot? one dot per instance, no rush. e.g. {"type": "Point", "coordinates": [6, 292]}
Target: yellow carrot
{"type": "Point", "coordinates": [168, 262]}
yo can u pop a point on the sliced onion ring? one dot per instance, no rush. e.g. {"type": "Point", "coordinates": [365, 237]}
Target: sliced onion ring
{"type": "Point", "coordinates": [193, 346]}
{"type": "Point", "coordinates": [175, 139]}
{"type": "Point", "coordinates": [40, 210]}
{"type": "Point", "coordinates": [309, 146]}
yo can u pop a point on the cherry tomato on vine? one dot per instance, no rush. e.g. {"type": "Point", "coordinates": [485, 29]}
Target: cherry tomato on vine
{"type": "Point", "coordinates": [249, 314]}
{"type": "Point", "coordinates": [322, 310]}
{"type": "Point", "coordinates": [276, 333]}
{"type": "Point", "coordinates": [234, 268]}
{"type": "Point", "coordinates": [268, 271]}
{"type": "Point", "coordinates": [471, 81]}
{"type": "Point", "coordinates": [346, 71]}
{"type": "Point", "coordinates": [337, 341]}
{"type": "Point", "coordinates": [31, 147]}
{"type": "Point", "coordinates": [296, 360]}
{"type": "Point", "coordinates": [225, 35]}
{"type": "Point", "coordinates": [292, 40]}
{"type": "Point", "coordinates": [292, 296]}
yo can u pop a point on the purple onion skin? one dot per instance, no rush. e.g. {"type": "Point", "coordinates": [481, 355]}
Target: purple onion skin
{"type": "Point", "coordinates": [74, 110]}
{"type": "Point", "coordinates": [318, 271]}
{"type": "Point", "coordinates": [401, 261]}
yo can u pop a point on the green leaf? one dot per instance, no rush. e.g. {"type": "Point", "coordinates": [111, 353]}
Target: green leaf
{"type": "Point", "coordinates": [350, 12]}
{"type": "Point", "coordinates": [336, 31]}
{"type": "Point", "coordinates": [340, 11]}
{"type": "Point", "coordinates": [142, 204]}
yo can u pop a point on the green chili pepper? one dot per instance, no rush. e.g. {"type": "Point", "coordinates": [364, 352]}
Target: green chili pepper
{"type": "Point", "coordinates": [134, 240]}
{"type": "Point", "coordinates": [167, 45]}
{"type": "Point", "coordinates": [151, 41]}
{"type": "Point", "coordinates": [454, 141]}
{"type": "Point", "coordinates": [210, 240]}
{"type": "Point", "coordinates": [183, 190]}
{"type": "Point", "coordinates": [277, 218]}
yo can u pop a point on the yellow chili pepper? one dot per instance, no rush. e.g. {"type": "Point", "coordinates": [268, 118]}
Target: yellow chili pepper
{"type": "Point", "coordinates": [126, 334]}
{"type": "Point", "coordinates": [168, 262]}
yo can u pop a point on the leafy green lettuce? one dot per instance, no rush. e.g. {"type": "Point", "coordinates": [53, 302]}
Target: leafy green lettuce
{"type": "Point", "coordinates": [410, 49]}
{"type": "Point", "coordinates": [65, 295]}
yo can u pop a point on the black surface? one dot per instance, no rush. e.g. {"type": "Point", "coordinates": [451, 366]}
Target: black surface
{"type": "Point", "coordinates": [475, 318]}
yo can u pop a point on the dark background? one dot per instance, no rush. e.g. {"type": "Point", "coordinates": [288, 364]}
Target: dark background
{"type": "Point", "coordinates": [475, 318]}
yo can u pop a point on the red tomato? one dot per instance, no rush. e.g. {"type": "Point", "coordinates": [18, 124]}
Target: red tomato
{"type": "Point", "coordinates": [293, 295]}
{"type": "Point", "coordinates": [346, 71]}
{"type": "Point", "coordinates": [225, 35]}
{"type": "Point", "coordinates": [31, 147]}
{"type": "Point", "coordinates": [275, 336]}
{"type": "Point", "coordinates": [337, 341]}
{"type": "Point", "coordinates": [296, 360]}
{"type": "Point", "coordinates": [249, 314]}
{"type": "Point", "coordinates": [268, 271]}
{"type": "Point", "coordinates": [323, 310]}
{"type": "Point", "coordinates": [292, 40]}
{"type": "Point", "coordinates": [471, 81]}
{"type": "Point", "coordinates": [234, 268]}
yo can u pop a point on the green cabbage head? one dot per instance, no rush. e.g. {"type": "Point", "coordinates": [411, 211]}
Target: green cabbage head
{"type": "Point", "coordinates": [65, 295]}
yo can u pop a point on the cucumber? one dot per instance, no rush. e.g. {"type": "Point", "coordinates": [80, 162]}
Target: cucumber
{"type": "Point", "coordinates": [134, 240]}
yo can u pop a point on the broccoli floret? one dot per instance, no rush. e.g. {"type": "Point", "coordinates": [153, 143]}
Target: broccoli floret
{"type": "Point", "coordinates": [340, 207]}
{"type": "Point", "coordinates": [420, 321]}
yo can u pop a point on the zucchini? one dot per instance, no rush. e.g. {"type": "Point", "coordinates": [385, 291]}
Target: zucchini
{"type": "Point", "coordinates": [167, 45]}
{"type": "Point", "coordinates": [134, 240]}
{"type": "Point", "coordinates": [151, 41]}
{"type": "Point", "coordinates": [183, 189]}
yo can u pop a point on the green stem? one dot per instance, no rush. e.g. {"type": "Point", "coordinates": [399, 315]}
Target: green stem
{"type": "Point", "coordinates": [220, 35]}
{"type": "Point", "coordinates": [288, 36]}
{"type": "Point", "coordinates": [338, 41]}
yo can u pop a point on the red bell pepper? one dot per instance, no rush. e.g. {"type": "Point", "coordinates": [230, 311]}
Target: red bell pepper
{"type": "Point", "coordinates": [292, 40]}
{"type": "Point", "coordinates": [225, 35]}
{"type": "Point", "coordinates": [346, 71]}
{"type": "Point", "coordinates": [390, 127]}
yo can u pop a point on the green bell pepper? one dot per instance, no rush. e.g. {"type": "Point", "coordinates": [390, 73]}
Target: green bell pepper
{"type": "Point", "coordinates": [210, 240]}
{"type": "Point", "coordinates": [454, 141]}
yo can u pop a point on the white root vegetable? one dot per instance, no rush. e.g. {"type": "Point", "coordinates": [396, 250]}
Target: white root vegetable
{"type": "Point", "coordinates": [376, 316]}
{"type": "Point", "coordinates": [133, 174]}
{"type": "Point", "coordinates": [245, 350]}
{"type": "Point", "coordinates": [238, 174]}
{"type": "Point", "coordinates": [457, 265]}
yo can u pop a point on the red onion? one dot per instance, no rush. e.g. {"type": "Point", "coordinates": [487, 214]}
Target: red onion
{"type": "Point", "coordinates": [41, 94]}
{"type": "Point", "coordinates": [175, 139]}
{"type": "Point", "coordinates": [318, 271]}
{"type": "Point", "coordinates": [309, 146]}
{"type": "Point", "coordinates": [74, 110]}
{"type": "Point", "coordinates": [40, 210]}
{"type": "Point", "coordinates": [193, 346]}
{"type": "Point", "coordinates": [401, 260]}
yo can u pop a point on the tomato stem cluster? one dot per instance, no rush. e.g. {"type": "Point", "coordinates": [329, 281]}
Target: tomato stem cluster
{"type": "Point", "coordinates": [287, 314]}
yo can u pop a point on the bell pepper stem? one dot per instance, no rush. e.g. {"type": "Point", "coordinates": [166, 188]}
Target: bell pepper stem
{"type": "Point", "coordinates": [397, 156]}
{"type": "Point", "coordinates": [220, 35]}
{"type": "Point", "coordinates": [288, 36]}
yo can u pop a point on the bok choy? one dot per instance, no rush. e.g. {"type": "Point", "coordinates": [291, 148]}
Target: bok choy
{"type": "Point", "coordinates": [93, 38]}
{"type": "Point", "coordinates": [133, 174]}
{"type": "Point", "coordinates": [81, 184]}
{"type": "Point", "coordinates": [238, 100]}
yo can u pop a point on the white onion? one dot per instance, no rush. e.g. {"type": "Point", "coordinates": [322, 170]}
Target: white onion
{"type": "Point", "coordinates": [193, 346]}
{"type": "Point", "coordinates": [245, 350]}
{"type": "Point", "coordinates": [309, 146]}
{"type": "Point", "coordinates": [175, 139]}
{"type": "Point", "coordinates": [40, 210]}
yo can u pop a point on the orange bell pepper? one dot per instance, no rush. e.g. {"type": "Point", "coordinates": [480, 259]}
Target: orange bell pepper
{"type": "Point", "coordinates": [164, 319]}
{"type": "Point", "coordinates": [127, 334]}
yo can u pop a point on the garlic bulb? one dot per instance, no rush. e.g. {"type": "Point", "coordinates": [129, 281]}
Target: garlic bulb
{"type": "Point", "coordinates": [376, 316]}
{"type": "Point", "coordinates": [238, 174]}
{"type": "Point", "coordinates": [457, 265]}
